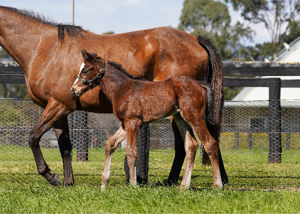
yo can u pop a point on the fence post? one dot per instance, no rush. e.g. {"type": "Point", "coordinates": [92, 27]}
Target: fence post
{"type": "Point", "coordinates": [275, 148]}
{"type": "Point", "coordinates": [142, 162]}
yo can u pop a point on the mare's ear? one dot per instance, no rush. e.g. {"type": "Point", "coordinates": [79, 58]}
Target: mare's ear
{"type": "Point", "coordinates": [86, 56]}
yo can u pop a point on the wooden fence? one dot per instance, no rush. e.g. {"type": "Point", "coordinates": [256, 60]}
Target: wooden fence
{"type": "Point", "coordinates": [237, 74]}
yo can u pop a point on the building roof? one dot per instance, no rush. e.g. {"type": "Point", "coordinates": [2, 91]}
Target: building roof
{"type": "Point", "coordinates": [291, 53]}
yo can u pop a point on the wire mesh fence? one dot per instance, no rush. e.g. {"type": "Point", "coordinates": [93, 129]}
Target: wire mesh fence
{"type": "Point", "coordinates": [245, 131]}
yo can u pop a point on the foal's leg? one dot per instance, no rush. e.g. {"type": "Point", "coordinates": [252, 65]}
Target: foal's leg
{"type": "Point", "coordinates": [132, 128]}
{"type": "Point", "coordinates": [191, 146]}
{"type": "Point", "coordinates": [211, 147]}
{"type": "Point", "coordinates": [110, 147]}
{"type": "Point", "coordinates": [52, 113]}
{"type": "Point", "coordinates": [215, 132]}
{"type": "Point", "coordinates": [61, 129]}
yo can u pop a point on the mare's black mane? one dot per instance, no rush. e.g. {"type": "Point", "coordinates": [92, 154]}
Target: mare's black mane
{"type": "Point", "coordinates": [71, 30]}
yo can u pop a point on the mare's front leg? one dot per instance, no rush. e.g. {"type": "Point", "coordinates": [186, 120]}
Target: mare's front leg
{"type": "Point", "coordinates": [111, 145]}
{"type": "Point", "coordinates": [61, 129]}
{"type": "Point", "coordinates": [132, 128]}
{"type": "Point", "coordinates": [53, 112]}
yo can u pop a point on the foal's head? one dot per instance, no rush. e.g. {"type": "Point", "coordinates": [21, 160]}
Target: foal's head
{"type": "Point", "coordinates": [90, 73]}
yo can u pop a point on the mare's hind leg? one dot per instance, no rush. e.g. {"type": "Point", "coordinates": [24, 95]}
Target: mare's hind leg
{"type": "Point", "coordinates": [61, 130]}
{"type": "Point", "coordinates": [52, 113]}
{"type": "Point", "coordinates": [110, 147]}
{"type": "Point", "coordinates": [179, 154]}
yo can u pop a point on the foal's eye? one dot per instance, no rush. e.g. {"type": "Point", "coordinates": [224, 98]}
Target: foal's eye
{"type": "Point", "coordinates": [85, 71]}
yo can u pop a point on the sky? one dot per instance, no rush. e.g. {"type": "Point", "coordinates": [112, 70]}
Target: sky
{"type": "Point", "coordinates": [100, 16]}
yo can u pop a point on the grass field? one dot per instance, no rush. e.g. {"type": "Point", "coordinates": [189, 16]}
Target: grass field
{"type": "Point", "coordinates": [254, 186]}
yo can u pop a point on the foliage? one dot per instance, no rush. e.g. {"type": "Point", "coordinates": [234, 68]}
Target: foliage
{"type": "Point", "coordinates": [210, 18]}
{"type": "Point", "coordinates": [278, 18]}
{"type": "Point", "coordinates": [293, 32]}
{"type": "Point", "coordinates": [231, 92]}
{"type": "Point", "coordinates": [108, 33]}
{"type": "Point", "coordinates": [13, 91]}
{"type": "Point", "coordinates": [207, 18]}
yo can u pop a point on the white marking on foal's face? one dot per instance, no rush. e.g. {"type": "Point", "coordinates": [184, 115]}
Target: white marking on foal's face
{"type": "Point", "coordinates": [81, 68]}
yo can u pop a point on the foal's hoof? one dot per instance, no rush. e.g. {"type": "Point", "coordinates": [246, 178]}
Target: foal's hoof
{"type": "Point", "coordinates": [103, 187]}
{"type": "Point", "coordinates": [69, 184]}
{"type": "Point", "coordinates": [55, 180]}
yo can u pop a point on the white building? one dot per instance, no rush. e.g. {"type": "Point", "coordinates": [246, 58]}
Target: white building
{"type": "Point", "coordinates": [248, 111]}
{"type": "Point", "coordinates": [291, 53]}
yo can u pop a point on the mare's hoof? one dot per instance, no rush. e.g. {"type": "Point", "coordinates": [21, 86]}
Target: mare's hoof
{"type": "Point", "coordinates": [55, 180]}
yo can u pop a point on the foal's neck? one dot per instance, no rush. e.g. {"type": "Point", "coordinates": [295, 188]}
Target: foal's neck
{"type": "Point", "coordinates": [114, 81]}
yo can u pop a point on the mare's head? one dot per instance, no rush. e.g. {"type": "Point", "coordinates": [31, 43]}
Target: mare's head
{"type": "Point", "coordinates": [90, 73]}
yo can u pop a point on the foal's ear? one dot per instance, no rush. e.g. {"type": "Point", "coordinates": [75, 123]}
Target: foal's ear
{"type": "Point", "coordinates": [86, 56]}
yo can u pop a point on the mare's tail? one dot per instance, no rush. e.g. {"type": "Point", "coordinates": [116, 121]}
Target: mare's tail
{"type": "Point", "coordinates": [214, 77]}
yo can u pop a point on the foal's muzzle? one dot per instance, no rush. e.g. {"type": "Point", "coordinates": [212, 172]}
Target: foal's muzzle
{"type": "Point", "coordinates": [74, 93]}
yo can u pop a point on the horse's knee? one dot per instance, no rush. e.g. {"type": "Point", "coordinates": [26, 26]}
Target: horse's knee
{"type": "Point", "coordinates": [131, 152]}
{"type": "Point", "coordinates": [211, 147]}
{"type": "Point", "coordinates": [33, 139]}
{"type": "Point", "coordinates": [66, 153]}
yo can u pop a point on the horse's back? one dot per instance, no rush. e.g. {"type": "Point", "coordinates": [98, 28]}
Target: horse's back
{"type": "Point", "coordinates": [156, 54]}
{"type": "Point", "coordinates": [177, 53]}
{"type": "Point", "coordinates": [191, 96]}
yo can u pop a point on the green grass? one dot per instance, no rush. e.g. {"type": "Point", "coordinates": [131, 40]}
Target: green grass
{"type": "Point", "coordinates": [254, 185]}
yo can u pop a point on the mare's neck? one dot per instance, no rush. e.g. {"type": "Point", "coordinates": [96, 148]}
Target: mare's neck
{"type": "Point", "coordinates": [114, 81]}
{"type": "Point", "coordinates": [20, 36]}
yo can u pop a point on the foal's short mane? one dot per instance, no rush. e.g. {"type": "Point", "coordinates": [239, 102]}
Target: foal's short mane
{"type": "Point", "coordinates": [71, 30]}
{"type": "Point", "coordinates": [120, 68]}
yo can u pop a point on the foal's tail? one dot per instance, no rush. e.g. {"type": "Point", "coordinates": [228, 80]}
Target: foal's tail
{"type": "Point", "coordinates": [214, 77]}
{"type": "Point", "coordinates": [209, 110]}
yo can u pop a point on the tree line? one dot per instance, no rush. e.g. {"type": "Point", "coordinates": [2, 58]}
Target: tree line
{"type": "Point", "coordinates": [234, 41]}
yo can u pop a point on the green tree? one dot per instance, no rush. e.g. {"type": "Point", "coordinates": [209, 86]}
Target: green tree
{"type": "Point", "coordinates": [275, 15]}
{"type": "Point", "coordinates": [241, 34]}
{"type": "Point", "coordinates": [292, 32]}
{"type": "Point", "coordinates": [207, 18]}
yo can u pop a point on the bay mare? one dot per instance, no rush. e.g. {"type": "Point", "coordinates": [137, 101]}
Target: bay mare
{"type": "Point", "coordinates": [49, 55]}
{"type": "Point", "coordinates": [137, 102]}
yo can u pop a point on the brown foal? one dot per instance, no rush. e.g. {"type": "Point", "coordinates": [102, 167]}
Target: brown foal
{"type": "Point", "coordinates": [136, 102]}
